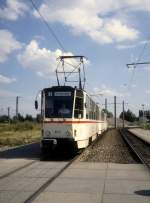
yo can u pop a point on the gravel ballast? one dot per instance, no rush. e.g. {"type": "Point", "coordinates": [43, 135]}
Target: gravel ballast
{"type": "Point", "coordinates": [109, 147]}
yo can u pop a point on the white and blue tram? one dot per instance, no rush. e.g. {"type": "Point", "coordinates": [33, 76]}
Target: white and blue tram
{"type": "Point", "coordinates": [70, 115]}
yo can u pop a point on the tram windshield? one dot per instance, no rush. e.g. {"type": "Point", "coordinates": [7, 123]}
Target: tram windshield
{"type": "Point", "coordinates": [58, 104]}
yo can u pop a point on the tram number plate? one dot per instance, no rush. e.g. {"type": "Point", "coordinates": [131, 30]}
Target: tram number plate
{"type": "Point", "coordinates": [49, 94]}
{"type": "Point", "coordinates": [62, 94]}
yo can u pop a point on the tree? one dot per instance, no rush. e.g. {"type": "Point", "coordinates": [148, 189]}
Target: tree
{"type": "Point", "coordinates": [18, 118]}
{"type": "Point", "coordinates": [28, 118]}
{"type": "Point", "coordinates": [38, 118]}
{"type": "Point", "coordinates": [128, 116]}
{"type": "Point", "coordinates": [4, 119]}
{"type": "Point", "coordinates": [109, 114]}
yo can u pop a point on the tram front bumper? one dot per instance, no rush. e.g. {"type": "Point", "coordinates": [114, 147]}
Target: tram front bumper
{"type": "Point", "coordinates": [52, 143]}
{"type": "Point", "coordinates": [49, 143]}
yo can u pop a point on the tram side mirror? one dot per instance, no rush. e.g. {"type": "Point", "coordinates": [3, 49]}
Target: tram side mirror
{"type": "Point", "coordinates": [36, 104]}
{"type": "Point", "coordinates": [85, 105]}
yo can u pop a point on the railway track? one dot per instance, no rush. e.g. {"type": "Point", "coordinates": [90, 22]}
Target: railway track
{"type": "Point", "coordinates": [138, 146]}
{"type": "Point", "coordinates": [49, 181]}
{"type": "Point", "coordinates": [42, 187]}
{"type": "Point", "coordinates": [16, 170]}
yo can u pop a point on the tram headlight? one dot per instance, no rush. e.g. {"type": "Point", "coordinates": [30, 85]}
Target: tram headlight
{"type": "Point", "coordinates": [47, 133]}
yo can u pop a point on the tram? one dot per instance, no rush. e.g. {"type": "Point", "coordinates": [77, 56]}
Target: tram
{"type": "Point", "coordinates": [69, 115]}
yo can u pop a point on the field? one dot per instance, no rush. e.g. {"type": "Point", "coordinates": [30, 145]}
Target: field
{"type": "Point", "coordinates": [20, 133]}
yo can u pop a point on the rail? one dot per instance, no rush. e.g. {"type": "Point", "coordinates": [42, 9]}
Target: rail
{"type": "Point", "coordinates": [49, 181]}
{"type": "Point", "coordinates": [140, 148]}
{"type": "Point", "coordinates": [17, 169]}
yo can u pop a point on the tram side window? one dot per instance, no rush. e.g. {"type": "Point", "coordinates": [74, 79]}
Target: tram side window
{"type": "Point", "coordinates": [97, 113]}
{"type": "Point", "coordinates": [92, 110]}
{"type": "Point", "coordinates": [90, 114]}
{"type": "Point", "coordinates": [87, 107]}
{"type": "Point", "coordinates": [102, 115]}
{"type": "Point", "coordinates": [78, 112]}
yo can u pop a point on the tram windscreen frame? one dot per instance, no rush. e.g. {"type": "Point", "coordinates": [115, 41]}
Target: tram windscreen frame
{"type": "Point", "coordinates": [59, 104]}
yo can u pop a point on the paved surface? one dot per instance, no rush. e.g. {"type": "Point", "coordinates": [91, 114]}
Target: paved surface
{"type": "Point", "coordinates": [22, 184]}
{"type": "Point", "coordinates": [98, 182]}
{"type": "Point", "coordinates": [81, 182]}
{"type": "Point", "coordinates": [141, 133]}
{"type": "Point", "coordinates": [30, 151]}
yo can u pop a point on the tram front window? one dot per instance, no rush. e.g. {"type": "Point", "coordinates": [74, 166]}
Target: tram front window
{"type": "Point", "coordinates": [58, 107]}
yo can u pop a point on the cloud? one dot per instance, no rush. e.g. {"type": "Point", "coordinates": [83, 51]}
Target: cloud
{"type": "Point", "coordinates": [109, 92]}
{"type": "Point", "coordinates": [93, 18]}
{"type": "Point", "coordinates": [133, 85]}
{"type": "Point", "coordinates": [120, 31]}
{"type": "Point", "coordinates": [8, 44]}
{"type": "Point", "coordinates": [130, 46]}
{"type": "Point", "coordinates": [146, 67]}
{"type": "Point", "coordinates": [40, 60]}
{"type": "Point", "coordinates": [147, 91]}
{"type": "Point", "coordinates": [6, 80]}
{"type": "Point", "coordinates": [126, 46]}
{"type": "Point", "coordinates": [13, 9]}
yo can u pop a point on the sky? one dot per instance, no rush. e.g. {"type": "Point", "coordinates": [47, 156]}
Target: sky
{"type": "Point", "coordinates": [109, 33]}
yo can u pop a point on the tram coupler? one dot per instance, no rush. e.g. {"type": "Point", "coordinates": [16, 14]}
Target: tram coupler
{"type": "Point", "coordinates": [49, 143]}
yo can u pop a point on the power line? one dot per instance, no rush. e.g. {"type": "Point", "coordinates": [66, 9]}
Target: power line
{"type": "Point", "coordinates": [47, 25]}
{"type": "Point", "coordinates": [138, 61]}
{"type": "Point", "coordinates": [143, 50]}
{"type": "Point", "coordinates": [56, 38]}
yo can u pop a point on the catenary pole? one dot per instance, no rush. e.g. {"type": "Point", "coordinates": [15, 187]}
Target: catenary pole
{"type": "Point", "coordinates": [115, 117]}
{"type": "Point", "coordinates": [123, 124]}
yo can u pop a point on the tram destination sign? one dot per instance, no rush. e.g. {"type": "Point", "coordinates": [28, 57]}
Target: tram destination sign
{"type": "Point", "coordinates": [62, 94]}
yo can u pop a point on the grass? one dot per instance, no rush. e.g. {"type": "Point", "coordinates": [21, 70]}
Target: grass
{"type": "Point", "coordinates": [15, 134]}
{"type": "Point", "coordinates": [145, 126]}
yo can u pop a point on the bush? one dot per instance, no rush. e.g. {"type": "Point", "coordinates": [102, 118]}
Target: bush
{"type": "Point", "coordinates": [145, 126]}
{"type": "Point", "coordinates": [19, 126]}
{"type": "Point", "coordinates": [4, 119]}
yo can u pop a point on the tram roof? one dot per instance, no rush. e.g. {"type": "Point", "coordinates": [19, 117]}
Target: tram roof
{"type": "Point", "coordinates": [62, 88]}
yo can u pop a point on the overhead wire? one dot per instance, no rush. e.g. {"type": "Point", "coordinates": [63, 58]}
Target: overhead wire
{"type": "Point", "coordinates": [47, 25]}
{"type": "Point", "coordinates": [50, 30]}
{"type": "Point", "coordinates": [138, 60]}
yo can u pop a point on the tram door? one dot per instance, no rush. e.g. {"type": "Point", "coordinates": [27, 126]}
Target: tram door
{"type": "Point", "coordinates": [78, 110]}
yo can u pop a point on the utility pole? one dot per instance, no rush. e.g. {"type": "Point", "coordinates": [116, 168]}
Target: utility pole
{"type": "Point", "coordinates": [8, 109]}
{"type": "Point", "coordinates": [143, 113]}
{"type": "Point", "coordinates": [115, 110]}
{"type": "Point", "coordinates": [17, 106]}
{"type": "Point", "coordinates": [123, 114]}
{"type": "Point", "coordinates": [115, 117]}
{"type": "Point", "coordinates": [105, 104]}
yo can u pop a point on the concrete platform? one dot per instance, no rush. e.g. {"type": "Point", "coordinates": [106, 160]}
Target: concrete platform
{"type": "Point", "coordinates": [81, 182]}
{"type": "Point", "coordinates": [98, 183]}
{"type": "Point", "coordinates": [141, 133]}
{"type": "Point", "coordinates": [19, 186]}
{"type": "Point", "coordinates": [8, 165]}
